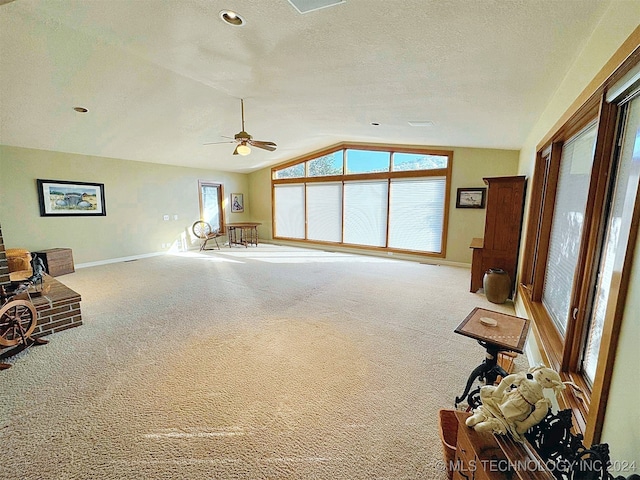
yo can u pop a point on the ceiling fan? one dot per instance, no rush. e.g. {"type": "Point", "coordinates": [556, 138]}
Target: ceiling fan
{"type": "Point", "coordinates": [243, 139]}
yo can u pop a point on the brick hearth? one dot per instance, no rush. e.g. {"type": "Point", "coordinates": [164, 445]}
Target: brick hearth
{"type": "Point", "coordinates": [58, 310]}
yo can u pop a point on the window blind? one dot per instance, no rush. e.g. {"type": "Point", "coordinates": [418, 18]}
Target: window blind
{"type": "Point", "coordinates": [289, 206]}
{"type": "Point", "coordinates": [324, 212]}
{"type": "Point", "coordinates": [416, 214]}
{"type": "Point", "coordinates": [566, 227]}
{"type": "Point", "coordinates": [614, 242]}
{"type": "Point", "coordinates": [365, 213]}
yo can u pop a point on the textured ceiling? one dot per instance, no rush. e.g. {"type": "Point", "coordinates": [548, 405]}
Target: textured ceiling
{"type": "Point", "coordinates": [161, 78]}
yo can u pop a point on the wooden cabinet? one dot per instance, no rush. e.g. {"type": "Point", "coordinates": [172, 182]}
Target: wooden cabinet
{"type": "Point", "coordinates": [502, 228]}
{"type": "Point", "coordinates": [484, 456]}
{"type": "Point", "coordinates": [57, 261]}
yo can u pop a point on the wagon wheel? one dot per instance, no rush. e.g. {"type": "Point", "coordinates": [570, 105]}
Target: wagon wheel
{"type": "Point", "coordinates": [201, 229]}
{"type": "Point", "coordinates": [18, 319]}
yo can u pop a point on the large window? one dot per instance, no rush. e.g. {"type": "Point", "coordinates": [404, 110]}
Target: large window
{"type": "Point", "coordinates": [580, 237]}
{"type": "Point", "coordinates": [568, 220]}
{"type": "Point", "coordinates": [369, 197]}
{"type": "Point", "coordinates": [210, 197]}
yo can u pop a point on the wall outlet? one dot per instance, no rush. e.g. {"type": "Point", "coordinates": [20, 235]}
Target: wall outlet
{"type": "Point", "coordinates": [175, 217]}
{"type": "Point", "coordinates": [165, 217]}
{"type": "Point", "coordinates": [390, 254]}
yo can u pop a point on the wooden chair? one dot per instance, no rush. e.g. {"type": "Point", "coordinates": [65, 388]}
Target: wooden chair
{"type": "Point", "coordinates": [204, 232]}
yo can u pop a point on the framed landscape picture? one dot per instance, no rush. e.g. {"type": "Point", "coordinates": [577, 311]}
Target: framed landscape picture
{"type": "Point", "coordinates": [60, 198]}
{"type": "Point", "coordinates": [237, 203]}
{"type": "Point", "coordinates": [471, 197]}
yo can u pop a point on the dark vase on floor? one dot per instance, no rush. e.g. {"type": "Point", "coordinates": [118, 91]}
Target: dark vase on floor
{"type": "Point", "coordinates": [497, 285]}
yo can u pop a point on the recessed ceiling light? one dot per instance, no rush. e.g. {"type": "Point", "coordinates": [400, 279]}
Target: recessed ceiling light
{"type": "Point", "coordinates": [422, 123]}
{"type": "Point", "coordinates": [80, 109]}
{"type": "Point", "coordinates": [232, 18]}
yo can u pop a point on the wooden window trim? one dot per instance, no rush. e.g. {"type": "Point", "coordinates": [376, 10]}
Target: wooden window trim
{"type": "Point", "coordinates": [548, 196]}
{"type": "Point", "coordinates": [220, 186]}
{"type": "Point", "coordinates": [388, 176]}
{"type": "Point", "coordinates": [559, 354]}
{"type": "Point", "coordinates": [379, 147]}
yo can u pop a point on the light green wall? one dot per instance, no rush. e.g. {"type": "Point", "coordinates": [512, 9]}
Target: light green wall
{"type": "Point", "coordinates": [137, 195]}
{"type": "Point", "coordinates": [470, 166]}
{"type": "Point", "coordinates": [620, 429]}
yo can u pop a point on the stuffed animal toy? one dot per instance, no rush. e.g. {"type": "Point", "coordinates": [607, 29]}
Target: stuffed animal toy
{"type": "Point", "coordinates": [516, 404]}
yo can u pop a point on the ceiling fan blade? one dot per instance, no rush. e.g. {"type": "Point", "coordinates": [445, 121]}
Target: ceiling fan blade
{"type": "Point", "coordinates": [217, 143]}
{"type": "Point", "coordinates": [264, 145]}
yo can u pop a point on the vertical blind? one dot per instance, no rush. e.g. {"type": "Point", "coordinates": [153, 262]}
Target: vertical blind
{"type": "Point", "coordinates": [365, 213]}
{"type": "Point", "coordinates": [566, 227]}
{"type": "Point", "coordinates": [289, 206]}
{"type": "Point", "coordinates": [324, 212]}
{"type": "Point", "coordinates": [416, 214]}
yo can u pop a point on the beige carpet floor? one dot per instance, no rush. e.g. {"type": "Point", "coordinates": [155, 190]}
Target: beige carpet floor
{"type": "Point", "coordinates": [261, 363]}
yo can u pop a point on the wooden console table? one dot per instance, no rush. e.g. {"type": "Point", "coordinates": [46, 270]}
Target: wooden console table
{"type": "Point", "coordinates": [485, 456]}
{"type": "Point", "coordinates": [243, 233]}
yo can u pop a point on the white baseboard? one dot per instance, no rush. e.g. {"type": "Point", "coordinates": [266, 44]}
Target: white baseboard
{"type": "Point", "coordinates": [396, 256]}
{"type": "Point", "coordinates": [118, 260]}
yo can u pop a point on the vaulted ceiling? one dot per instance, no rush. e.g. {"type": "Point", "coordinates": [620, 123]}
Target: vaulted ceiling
{"type": "Point", "coordinates": [161, 78]}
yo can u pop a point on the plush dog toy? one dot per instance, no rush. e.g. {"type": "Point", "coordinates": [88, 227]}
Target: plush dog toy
{"type": "Point", "coordinates": [516, 404]}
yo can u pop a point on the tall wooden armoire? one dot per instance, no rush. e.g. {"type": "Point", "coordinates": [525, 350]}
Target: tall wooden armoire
{"type": "Point", "coordinates": [502, 228]}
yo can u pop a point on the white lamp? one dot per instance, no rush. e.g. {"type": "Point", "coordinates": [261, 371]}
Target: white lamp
{"type": "Point", "coordinates": [243, 149]}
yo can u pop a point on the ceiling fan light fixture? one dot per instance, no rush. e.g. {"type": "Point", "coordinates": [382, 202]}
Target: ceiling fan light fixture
{"type": "Point", "coordinates": [243, 149]}
{"type": "Point", "coordinates": [232, 18]}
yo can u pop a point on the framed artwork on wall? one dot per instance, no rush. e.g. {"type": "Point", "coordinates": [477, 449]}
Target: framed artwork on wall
{"type": "Point", "coordinates": [61, 198]}
{"type": "Point", "coordinates": [237, 203]}
{"type": "Point", "coordinates": [471, 197]}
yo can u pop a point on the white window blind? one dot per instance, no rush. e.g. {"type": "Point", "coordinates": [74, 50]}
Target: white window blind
{"type": "Point", "coordinates": [566, 227]}
{"type": "Point", "coordinates": [324, 212]}
{"type": "Point", "coordinates": [614, 242]}
{"type": "Point", "coordinates": [289, 206]}
{"type": "Point", "coordinates": [416, 214]}
{"type": "Point", "coordinates": [365, 213]}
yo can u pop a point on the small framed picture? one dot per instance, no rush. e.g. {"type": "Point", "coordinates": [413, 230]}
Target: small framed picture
{"type": "Point", "coordinates": [471, 197]}
{"type": "Point", "coordinates": [61, 198]}
{"type": "Point", "coordinates": [237, 203]}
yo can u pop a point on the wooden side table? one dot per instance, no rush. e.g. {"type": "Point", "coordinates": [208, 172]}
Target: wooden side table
{"type": "Point", "coordinates": [496, 332]}
{"type": "Point", "coordinates": [243, 233]}
{"type": "Point", "coordinates": [57, 261]}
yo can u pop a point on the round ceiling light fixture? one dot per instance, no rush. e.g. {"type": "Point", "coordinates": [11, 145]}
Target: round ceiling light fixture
{"type": "Point", "coordinates": [243, 149]}
{"type": "Point", "coordinates": [232, 18]}
{"type": "Point", "coordinates": [80, 109]}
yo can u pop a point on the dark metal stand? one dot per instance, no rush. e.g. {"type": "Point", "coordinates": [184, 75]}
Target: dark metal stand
{"type": "Point", "coordinates": [488, 371]}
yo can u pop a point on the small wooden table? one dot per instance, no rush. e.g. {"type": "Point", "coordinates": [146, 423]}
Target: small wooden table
{"type": "Point", "coordinates": [243, 233]}
{"type": "Point", "coordinates": [509, 334]}
{"type": "Point", "coordinates": [57, 261]}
